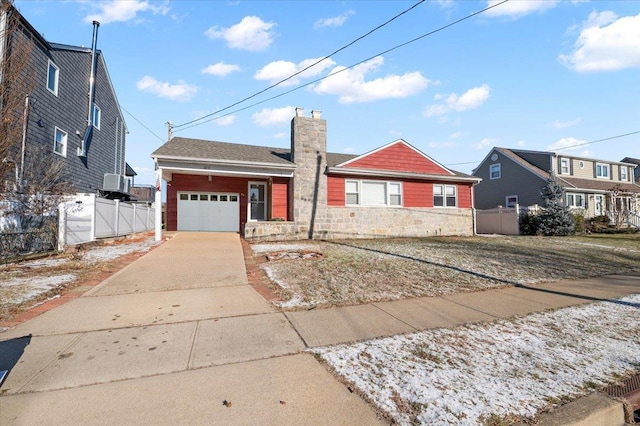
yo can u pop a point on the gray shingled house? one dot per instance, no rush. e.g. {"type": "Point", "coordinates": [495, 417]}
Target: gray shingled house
{"type": "Point", "coordinates": [88, 132]}
{"type": "Point", "coordinates": [595, 187]}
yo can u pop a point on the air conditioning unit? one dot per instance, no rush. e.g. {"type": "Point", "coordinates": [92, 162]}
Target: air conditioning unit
{"type": "Point", "coordinates": [113, 182]}
{"type": "Point", "coordinates": [127, 185]}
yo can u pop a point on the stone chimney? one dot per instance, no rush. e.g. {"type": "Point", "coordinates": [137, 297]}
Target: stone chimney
{"type": "Point", "coordinates": [309, 153]}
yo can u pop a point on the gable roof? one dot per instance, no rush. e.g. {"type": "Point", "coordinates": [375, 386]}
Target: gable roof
{"type": "Point", "coordinates": [567, 182]}
{"type": "Point", "coordinates": [232, 154]}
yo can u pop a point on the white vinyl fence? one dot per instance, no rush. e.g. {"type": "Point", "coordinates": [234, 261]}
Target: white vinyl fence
{"type": "Point", "coordinates": [501, 220]}
{"type": "Point", "coordinates": [87, 218]}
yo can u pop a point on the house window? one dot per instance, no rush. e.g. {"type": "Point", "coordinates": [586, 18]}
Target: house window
{"type": "Point", "coordinates": [494, 171]}
{"type": "Point", "coordinates": [602, 170]}
{"type": "Point", "coordinates": [352, 193]}
{"type": "Point", "coordinates": [95, 117]}
{"type": "Point", "coordinates": [511, 201]}
{"type": "Point", "coordinates": [373, 193]}
{"type": "Point", "coordinates": [564, 166]}
{"type": "Point", "coordinates": [445, 196]}
{"type": "Point", "coordinates": [575, 200]}
{"type": "Point", "coordinates": [52, 78]}
{"type": "Point", "coordinates": [624, 173]}
{"type": "Point", "coordinates": [60, 142]}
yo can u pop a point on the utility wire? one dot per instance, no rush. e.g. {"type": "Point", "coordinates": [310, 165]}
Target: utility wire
{"type": "Point", "coordinates": [347, 68]}
{"type": "Point", "coordinates": [142, 124]}
{"type": "Point", "coordinates": [566, 147]}
{"type": "Point", "coordinates": [304, 69]}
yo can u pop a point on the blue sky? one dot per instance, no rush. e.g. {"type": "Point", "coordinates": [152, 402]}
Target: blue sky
{"type": "Point", "coordinates": [538, 75]}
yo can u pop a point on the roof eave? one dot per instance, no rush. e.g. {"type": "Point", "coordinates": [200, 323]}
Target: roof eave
{"type": "Point", "coordinates": [213, 162]}
{"type": "Point", "coordinates": [401, 175]}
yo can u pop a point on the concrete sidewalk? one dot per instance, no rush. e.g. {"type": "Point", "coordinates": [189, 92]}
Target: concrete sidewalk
{"type": "Point", "coordinates": [175, 334]}
{"type": "Point", "coordinates": [168, 340]}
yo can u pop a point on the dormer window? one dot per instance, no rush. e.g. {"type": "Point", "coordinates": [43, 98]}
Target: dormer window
{"type": "Point", "coordinates": [624, 173]}
{"type": "Point", "coordinates": [564, 166]}
{"type": "Point", "coordinates": [602, 171]}
{"type": "Point", "coordinates": [52, 78]}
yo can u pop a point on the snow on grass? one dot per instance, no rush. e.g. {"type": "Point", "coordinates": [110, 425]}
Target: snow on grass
{"type": "Point", "coordinates": [275, 247]}
{"type": "Point", "coordinates": [109, 252]}
{"type": "Point", "coordinates": [505, 368]}
{"type": "Point", "coordinates": [363, 271]}
{"type": "Point", "coordinates": [20, 290]}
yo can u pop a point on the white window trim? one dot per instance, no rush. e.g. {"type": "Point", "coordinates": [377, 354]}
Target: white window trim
{"type": "Point", "coordinates": [57, 76]}
{"type": "Point", "coordinates": [444, 196]}
{"type": "Point", "coordinates": [388, 204]}
{"type": "Point", "coordinates": [624, 178]}
{"type": "Point", "coordinates": [499, 171]}
{"type": "Point", "coordinates": [568, 172]}
{"type": "Point", "coordinates": [64, 144]}
{"type": "Point", "coordinates": [96, 122]}
{"type": "Point", "coordinates": [574, 205]}
{"type": "Point", "coordinates": [603, 166]}
{"type": "Point", "coordinates": [506, 201]}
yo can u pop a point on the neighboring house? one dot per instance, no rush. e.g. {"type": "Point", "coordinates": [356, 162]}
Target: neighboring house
{"type": "Point", "coordinates": [304, 192]}
{"type": "Point", "coordinates": [74, 120]}
{"type": "Point", "coordinates": [636, 170]}
{"type": "Point", "coordinates": [513, 177]}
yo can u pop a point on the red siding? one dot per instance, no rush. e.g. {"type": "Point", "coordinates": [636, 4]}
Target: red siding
{"type": "Point", "coordinates": [415, 193]}
{"type": "Point", "coordinates": [197, 183]}
{"type": "Point", "coordinates": [279, 199]}
{"type": "Point", "coordinates": [464, 195]}
{"type": "Point", "coordinates": [335, 191]}
{"type": "Point", "coordinates": [398, 157]}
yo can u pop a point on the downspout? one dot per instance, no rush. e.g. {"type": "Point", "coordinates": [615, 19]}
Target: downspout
{"type": "Point", "coordinates": [117, 146]}
{"type": "Point", "coordinates": [82, 151]}
{"type": "Point", "coordinates": [25, 121]}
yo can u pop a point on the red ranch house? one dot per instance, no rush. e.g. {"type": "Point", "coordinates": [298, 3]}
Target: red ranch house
{"type": "Point", "coordinates": [277, 194]}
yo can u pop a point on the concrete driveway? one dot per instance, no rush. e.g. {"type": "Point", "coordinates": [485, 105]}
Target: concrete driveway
{"type": "Point", "coordinates": [177, 337]}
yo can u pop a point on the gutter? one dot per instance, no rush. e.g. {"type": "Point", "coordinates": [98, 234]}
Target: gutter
{"type": "Point", "coordinates": [400, 175]}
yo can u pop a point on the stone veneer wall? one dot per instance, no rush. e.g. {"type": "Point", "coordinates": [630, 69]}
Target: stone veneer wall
{"type": "Point", "coordinates": [363, 222]}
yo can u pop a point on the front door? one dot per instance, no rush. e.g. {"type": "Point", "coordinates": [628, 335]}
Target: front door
{"type": "Point", "coordinates": [598, 204]}
{"type": "Point", "coordinates": [257, 201]}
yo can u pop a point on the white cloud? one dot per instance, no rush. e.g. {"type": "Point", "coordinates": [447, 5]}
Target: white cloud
{"type": "Point", "coordinates": [221, 69]}
{"type": "Point", "coordinates": [558, 124]}
{"type": "Point", "coordinates": [124, 10]}
{"type": "Point", "coordinates": [518, 8]}
{"type": "Point", "coordinates": [349, 150]}
{"type": "Point", "coordinates": [273, 116]}
{"type": "Point", "coordinates": [279, 70]}
{"type": "Point", "coordinates": [351, 87]}
{"type": "Point", "coordinates": [455, 135]}
{"type": "Point", "coordinates": [176, 92]}
{"type": "Point", "coordinates": [606, 43]}
{"type": "Point", "coordinates": [521, 143]}
{"type": "Point", "coordinates": [472, 98]}
{"type": "Point", "coordinates": [448, 144]}
{"type": "Point", "coordinates": [336, 21]}
{"type": "Point", "coordinates": [483, 144]}
{"type": "Point", "coordinates": [281, 135]}
{"type": "Point", "coordinates": [568, 144]}
{"type": "Point", "coordinates": [252, 33]}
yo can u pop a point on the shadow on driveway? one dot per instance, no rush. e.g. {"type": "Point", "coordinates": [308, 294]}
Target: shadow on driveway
{"type": "Point", "coordinates": [11, 351]}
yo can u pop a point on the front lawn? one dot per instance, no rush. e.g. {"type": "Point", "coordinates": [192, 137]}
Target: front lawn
{"type": "Point", "coordinates": [349, 272]}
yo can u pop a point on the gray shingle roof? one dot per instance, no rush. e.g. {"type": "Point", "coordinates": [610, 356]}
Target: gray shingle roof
{"type": "Point", "coordinates": [200, 149]}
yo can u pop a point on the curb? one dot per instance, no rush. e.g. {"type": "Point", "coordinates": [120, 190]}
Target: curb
{"type": "Point", "coordinates": [596, 409]}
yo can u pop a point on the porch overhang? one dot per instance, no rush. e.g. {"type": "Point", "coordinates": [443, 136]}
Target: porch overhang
{"type": "Point", "coordinates": [169, 166]}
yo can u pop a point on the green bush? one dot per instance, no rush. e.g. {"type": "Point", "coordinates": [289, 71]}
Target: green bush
{"type": "Point", "coordinates": [579, 222]}
{"type": "Point", "coordinates": [528, 223]}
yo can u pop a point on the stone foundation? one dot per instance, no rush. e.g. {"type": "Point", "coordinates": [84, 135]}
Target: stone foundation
{"type": "Point", "coordinates": [363, 222]}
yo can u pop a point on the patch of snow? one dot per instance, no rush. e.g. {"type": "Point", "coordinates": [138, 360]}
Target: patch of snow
{"type": "Point", "coordinates": [109, 252]}
{"type": "Point", "coordinates": [34, 286]}
{"type": "Point", "coordinates": [43, 263]}
{"type": "Point", "coordinates": [507, 367]}
{"type": "Point", "coordinates": [267, 248]}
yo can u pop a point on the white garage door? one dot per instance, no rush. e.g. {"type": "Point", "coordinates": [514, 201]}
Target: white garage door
{"type": "Point", "coordinates": [198, 211]}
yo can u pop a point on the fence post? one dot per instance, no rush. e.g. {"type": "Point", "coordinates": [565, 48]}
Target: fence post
{"type": "Point", "coordinates": [62, 226]}
{"type": "Point", "coordinates": [94, 214]}
{"type": "Point", "coordinates": [117, 217]}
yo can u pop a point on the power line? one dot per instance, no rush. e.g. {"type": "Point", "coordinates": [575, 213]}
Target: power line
{"type": "Point", "coordinates": [566, 147]}
{"type": "Point", "coordinates": [142, 124]}
{"type": "Point", "coordinates": [346, 68]}
{"type": "Point", "coordinates": [304, 69]}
